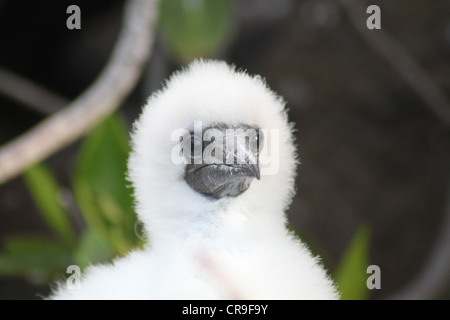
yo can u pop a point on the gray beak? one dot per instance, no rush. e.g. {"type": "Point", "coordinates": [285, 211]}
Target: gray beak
{"type": "Point", "coordinates": [226, 178]}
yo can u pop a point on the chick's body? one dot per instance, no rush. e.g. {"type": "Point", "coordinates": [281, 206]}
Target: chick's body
{"type": "Point", "coordinates": [215, 231]}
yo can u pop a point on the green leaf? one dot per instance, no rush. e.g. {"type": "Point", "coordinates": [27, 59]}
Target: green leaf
{"type": "Point", "coordinates": [92, 250]}
{"type": "Point", "coordinates": [99, 184]}
{"type": "Point", "coordinates": [36, 258]}
{"type": "Point", "coordinates": [196, 28]}
{"type": "Point", "coordinates": [102, 161]}
{"type": "Point", "coordinates": [351, 274]}
{"type": "Point", "coordinates": [45, 192]}
{"type": "Point", "coordinates": [89, 208]}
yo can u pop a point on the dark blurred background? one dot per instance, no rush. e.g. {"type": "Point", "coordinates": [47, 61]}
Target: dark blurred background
{"type": "Point", "coordinates": [372, 152]}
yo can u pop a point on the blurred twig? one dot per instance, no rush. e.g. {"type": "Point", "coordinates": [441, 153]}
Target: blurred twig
{"type": "Point", "coordinates": [100, 99]}
{"type": "Point", "coordinates": [30, 94]}
{"type": "Point", "coordinates": [435, 276]}
{"type": "Point", "coordinates": [400, 59]}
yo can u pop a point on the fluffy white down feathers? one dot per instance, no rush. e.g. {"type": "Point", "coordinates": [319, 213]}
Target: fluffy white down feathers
{"type": "Point", "coordinates": [203, 248]}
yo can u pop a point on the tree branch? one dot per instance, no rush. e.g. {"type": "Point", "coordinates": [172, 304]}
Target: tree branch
{"type": "Point", "coordinates": [434, 279]}
{"type": "Point", "coordinates": [30, 94]}
{"type": "Point", "coordinates": [99, 100]}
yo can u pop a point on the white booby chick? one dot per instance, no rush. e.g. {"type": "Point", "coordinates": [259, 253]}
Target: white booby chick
{"type": "Point", "coordinates": [216, 230]}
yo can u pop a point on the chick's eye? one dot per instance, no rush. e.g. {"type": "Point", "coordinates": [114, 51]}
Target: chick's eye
{"type": "Point", "coordinates": [196, 146]}
{"type": "Point", "coordinates": [256, 142]}
{"type": "Point", "coordinates": [195, 141]}
{"type": "Point", "coordinates": [254, 139]}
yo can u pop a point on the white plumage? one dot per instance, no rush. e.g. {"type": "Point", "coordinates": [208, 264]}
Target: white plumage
{"type": "Point", "coordinates": [201, 247]}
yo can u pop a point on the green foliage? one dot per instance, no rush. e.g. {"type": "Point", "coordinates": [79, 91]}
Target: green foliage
{"type": "Point", "coordinates": [100, 187]}
{"type": "Point", "coordinates": [101, 194]}
{"type": "Point", "coordinates": [45, 192]}
{"type": "Point", "coordinates": [351, 274]}
{"type": "Point", "coordinates": [195, 28]}
{"type": "Point", "coordinates": [33, 257]}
